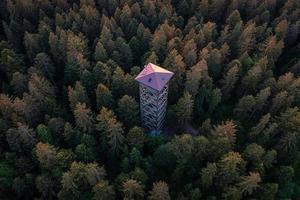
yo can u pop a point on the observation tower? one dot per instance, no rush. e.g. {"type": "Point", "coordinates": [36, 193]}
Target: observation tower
{"type": "Point", "coordinates": [153, 83]}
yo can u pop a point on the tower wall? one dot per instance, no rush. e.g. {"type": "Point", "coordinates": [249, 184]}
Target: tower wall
{"type": "Point", "coordinates": [153, 105]}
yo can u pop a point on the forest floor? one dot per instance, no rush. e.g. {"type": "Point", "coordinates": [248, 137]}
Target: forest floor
{"type": "Point", "coordinates": [188, 128]}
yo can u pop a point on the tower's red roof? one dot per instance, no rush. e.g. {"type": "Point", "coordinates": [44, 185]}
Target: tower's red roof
{"type": "Point", "coordinates": [154, 76]}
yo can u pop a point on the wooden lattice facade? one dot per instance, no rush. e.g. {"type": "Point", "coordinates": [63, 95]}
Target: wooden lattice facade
{"type": "Point", "coordinates": [153, 84]}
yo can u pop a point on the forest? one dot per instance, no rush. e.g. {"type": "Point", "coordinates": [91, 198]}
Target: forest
{"type": "Point", "coordinates": [70, 126]}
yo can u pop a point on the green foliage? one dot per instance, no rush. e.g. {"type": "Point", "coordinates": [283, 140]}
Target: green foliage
{"type": "Point", "coordinates": [132, 190]}
{"type": "Point", "coordinates": [80, 179]}
{"type": "Point", "coordinates": [104, 97]}
{"type": "Point", "coordinates": [7, 174]}
{"type": "Point", "coordinates": [69, 100]}
{"type": "Point", "coordinates": [136, 137]}
{"type": "Point", "coordinates": [160, 191]}
{"type": "Point", "coordinates": [128, 110]}
{"type": "Point", "coordinates": [44, 134]}
{"type": "Point", "coordinates": [47, 155]}
{"type": "Point", "coordinates": [184, 109]}
{"type": "Point", "coordinates": [103, 191]}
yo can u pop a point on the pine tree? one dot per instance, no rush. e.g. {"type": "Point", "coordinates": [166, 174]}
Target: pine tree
{"type": "Point", "coordinates": [84, 117]}
{"type": "Point", "coordinates": [229, 81]}
{"type": "Point", "coordinates": [226, 129]}
{"type": "Point", "coordinates": [44, 66]}
{"type": "Point", "coordinates": [184, 108]}
{"type": "Point", "coordinates": [104, 97]}
{"type": "Point", "coordinates": [194, 76]}
{"type": "Point", "coordinates": [136, 137]}
{"type": "Point", "coordinates": [253, 153]}
{"type": "Point", "coordinates": [214, 63]}
{"type": "Point", "coordinates": [246, 41]}
{"type": "Point", "coordinates": [160, 191]}
{"type": "Point", "coordinates": [11, 62]}
{"type": "Point", "coordinates": [21, 139]}
{"type": "Point", "coordinates": [118, 80]}
{"type": "Point", "coordinates": [174, 62]}
{"type": "Point", "coordinates": [281, 102]}
{"type": "Point", "coordinates": [272, 49]}
{"type": "Point", "coordinates": [79, 173]}
{"type": "Point", "coordinates": [208, 174]}
{"type": "Point", "coordinates": [90, 24]}
{"type": "Point", "coordinates": [46, 186]}
{"type": "Point", "coordinates": [245, 106]}
{"type": "Point", "coordinates": [32, 45]}
{"type": "Point", "coordinates": [229, 167]}
{"type": "Point", "coordinates": [132, 190]}
{"type": "Point", "coordinates": [19, 83]}
{"type": "Point", "coordinates": [103, 191]}
{"type": "Point", "coordinates": [256, 130]}
{"type": "Point", "coordinates": [159, 44]}
{"type": "Point", "coordinates": [112, 129]}
{"type": "Point", "coordinates": [128, 110]}
{"type": "Point", "coordinates": [189, 53]}
{"type": "Point", "coordinates": [100, 53]}
{"type": "Point", "coordinates": [46, 155]}
{"type": "Point", "coordinates": [249, 183]}
{"type": "Point", "coordinates": [77, 95]}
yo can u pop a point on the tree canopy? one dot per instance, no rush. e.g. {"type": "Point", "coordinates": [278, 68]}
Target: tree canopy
{"type": "Point", "coordinates": [70, 123]}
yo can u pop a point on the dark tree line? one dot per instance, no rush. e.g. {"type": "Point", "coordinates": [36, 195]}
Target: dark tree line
{"type": "Point", "coordinates": [69, 111]}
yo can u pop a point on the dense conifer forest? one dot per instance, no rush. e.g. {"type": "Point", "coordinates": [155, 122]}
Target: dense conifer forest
{"type": "Point", "coordinates": [69, 105]}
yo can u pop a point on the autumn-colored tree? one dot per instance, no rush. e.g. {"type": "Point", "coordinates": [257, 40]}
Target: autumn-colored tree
{"type": "Point", "coordinates": [112, 129]}
{"type": "Point", "coordinates": [159, 44]}
{"type": "Point", "coordinates": [272, 49]}
{"type": "Point", "coordinates": [41, 92]}
{"type": "Point", "coordinates": [46, 155]}
{"type": "Point", "coordinates": [226, 129]}
{"type": "Point", "coordinates": [132, 190]}
{"type": "Point", "coordinates": [84, 118]}
{"type": "Point", "coordinates": [232, 123]}
{"type": "Point", "coordinates": [229, 168]}
{"type": "Point", "coordinates": [77, 95]}
{"type": "Point", "coordinates": [159, 191]}
{"type": "Point", "coordinates": [90, 17]}
{"type": "Point", "coordinates": [246, 41]}
{"type": "Point", "coordinates": [189, 53]}
{"type": "Point", "coordinates": [249, 183]}
{"type": "Point", "coordinates": [104, 97]}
